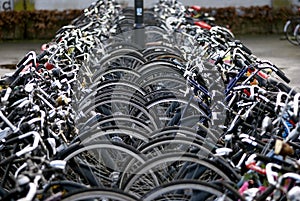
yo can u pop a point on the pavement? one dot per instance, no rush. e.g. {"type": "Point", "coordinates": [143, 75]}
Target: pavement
{"type": "Point", "coordinates": [11, 52]}
{"type": "Point", "coordinates": [271, 47]}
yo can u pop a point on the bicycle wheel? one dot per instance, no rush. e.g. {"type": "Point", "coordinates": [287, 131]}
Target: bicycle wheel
{"type": "Point", "coordinates": [112, 45]}
{"type": "Point", "coordinates": [289, 29]}
{"type": "Point", "coordinates": [159, 71]}
{"type": "Point", "coordinates": [152, 95]}
{"type": "Point", "coordinates": [192, 190]}
{"type": "Point", "coordinates": [121, 106]}
{"type": "Point", "coordinates": [174, 143]}
{"type": "Point", "coordinates": [168, 167]}
{"type": "Point", "coordinates": [164, 82]}
{"type": "Point", "coordinates": [166, 47]}
{"type": "Point", "coordinates": [109, 84]}
{"type": "Point", "coordinates": [151, 66]}
{"type": "Point", "coordinates": [129, 136]}
{"type": "Point", "coordinates": [155, 35]}
{"type": "Point", "coordinates": [297, 33]}
{"type": "Point", "coordinates": [101, 163]}
{"type": "Point", "coordinates": [99, 194]}
{"type": "Point", "coordinates": [152, 55]}
{"type": "Point", "coordinates": [120, 59]}
{"type": "Point", "coordinates": [115, 74]}
{"type": "Point", "coordinates": [171, 110]}
{"type": "Point", "coordinates": [201, 134]}
{"type": "Point", "coordinates": [123, 121]}
{"type": "Point", "coordinates": [127, 94]}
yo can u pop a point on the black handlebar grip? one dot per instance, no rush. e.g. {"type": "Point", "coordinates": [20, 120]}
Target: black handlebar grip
{"type": "Point", "coordinates": [239, 63]}
{"type": "Point", "coordinates": [246, 49]}
{"type": "Point", "coordinates": [8, 159]}
{"type": "Point", "coordinates": [40, 56]}
{"type": "Point", "coordinates": [219, 61]}
{"type": "Point", "coordinates": [223, 47]}
{"type": "Point", "coordinates": [264, 158]}
{"type": "Point", "coordinates": [18, 71]}
{"type": "Point", "coordinates": [247, 62]}
{"type": "Point", "coordinates": [15, 82]}
{"type": "Point", "coordinates": [281, 74]}
{"type": "Point", "coordinates": [220, 41]}
{"type": "Point", "coordinates": [267, 107]}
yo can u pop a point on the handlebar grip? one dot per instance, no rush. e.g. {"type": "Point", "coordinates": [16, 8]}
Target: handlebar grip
{"type": "Point", "coordinates": [281, 74]}
{"type": "Point", "coordinates": [267, 107]}
{"type": "Point", "coordinates": [18, 71]}
{"type": "Point", "coordinates": [264, 158]}
{"type": "Point", "coordinates": [8, 159]}
{"type": "Point", "coordinates": [14, 82]}
{"type": "Point", "coordinates": [223, 47]}
{"type": "Point", "coordinates": [284, 87]}
{"type": "Point", "coordinates": [221, 42]}
{"type": "Point", "coordinates": [246, 49]}
{"type": "Point", "coordinates": [41, 55]}
{"type": "Point", "coordinates": [15, 77]}
{"type": "Point", "coordinates": [247, 62]}
{"type": "Point", "coordinates": [239, 63]}
{"type": "Point", "coordinates": [219, 61]}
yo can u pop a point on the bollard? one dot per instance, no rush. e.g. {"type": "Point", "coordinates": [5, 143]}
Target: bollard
{"type": "Point", "coordinates": [139, 26]}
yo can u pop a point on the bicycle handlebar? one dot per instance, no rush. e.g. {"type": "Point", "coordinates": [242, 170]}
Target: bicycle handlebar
{"type": "Point", "coordinates": [282, 75]}
{"type": "Point", "coordinates": [278, 72]}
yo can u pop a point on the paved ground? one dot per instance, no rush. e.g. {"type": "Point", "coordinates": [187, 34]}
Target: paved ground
{"type": "Point", "coordinates": [13, 51]}
{"type": "Point", "coordinates": [280, 52]}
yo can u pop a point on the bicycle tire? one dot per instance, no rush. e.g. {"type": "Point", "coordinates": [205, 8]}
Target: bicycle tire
{"type": "Point", "coordinates": [156, 146]}
{"type": "Point", "coordinates": [116, 83]}
{"type": "Point", "coordinates": [182, 100]}
{"type": "Point", "coordinates": [159, 72]}
{"type": "Point", "coordinates": [166, 82]}
{"type": "Point", "coordinates": [178, 131]}
{"type": "Point", "coordinates": [140, 109]}
{"type": "Point", "coordinates": [190, 187]}
{"type": "Point", "coordinates": [126, 74]}
{"type": "Point", "coordinates": [158, 64]}
{"type": "Point", "coordinates": [102, 193]}
{"type": "Point", "coordinates": [297, 34]}
{"type": "Point", "coordinates": [113, 45]}
{"type": "Point", "coordinates": [119, 93]}
{"type": "Point", "coordinates": [98, 86]}
{"type": "Point", "coordinates": [163, 55]}
{"type": "Point", "coordinates": [119, 120]}
{"type": "Point", "coordinates": [96, 135]}
{"type": "Point", "coordinates": [133, 59]}
{"type": "Point", "coordinates": [150, 170]}
{"type": "Point", "coordinates": [289, 29]}
{"type": "Point", "coordinates": [90, 163]}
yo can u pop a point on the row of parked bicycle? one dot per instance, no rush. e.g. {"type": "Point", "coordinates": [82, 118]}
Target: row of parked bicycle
{"type": "Point", "coordinates": [291, 30]}
{"type": "Point", "coordinates": [178, 110]}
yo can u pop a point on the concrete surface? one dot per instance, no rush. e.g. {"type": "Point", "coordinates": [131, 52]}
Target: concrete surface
{"type": "Point", "coordinates": [280, 52]}
{"type": "Point", "coordinates": [12, 51]}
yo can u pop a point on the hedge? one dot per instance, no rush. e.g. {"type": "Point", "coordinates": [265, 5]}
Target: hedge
{"type": "Point", "coordinates": [40, 24]}
{"type": "Point", "coordinates": [43, 24]}
{"type": "Point", "coordinates": [252, 20]}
